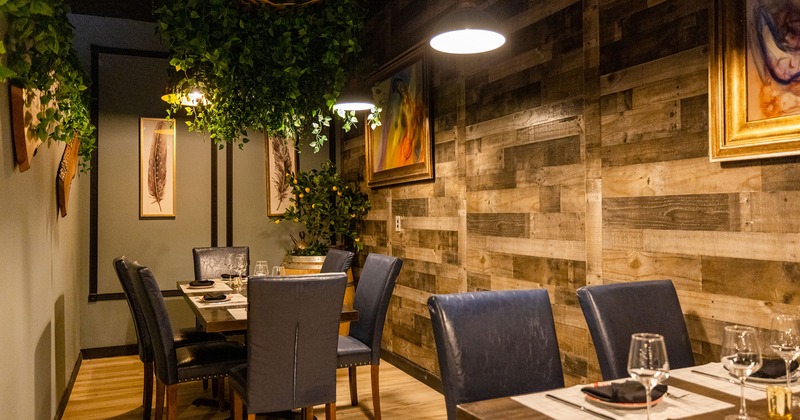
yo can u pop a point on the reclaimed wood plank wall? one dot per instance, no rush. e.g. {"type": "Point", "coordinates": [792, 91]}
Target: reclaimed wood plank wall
{"type": "Point", "coordinates": [578, 154]}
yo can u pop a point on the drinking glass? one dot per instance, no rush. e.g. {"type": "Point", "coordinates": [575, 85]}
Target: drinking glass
{"type": "Point", "coordinates": [240, 265]}
{"type": "Point", "coordinates": [741, 355]}
{"type": "Point", "coordinates": [229, 262]}
{"type": "Point", "coordinates": [647, 362]}
{"type": "Point", "coordinates": [276, 270]}
{"type": "Point", "coordinates": [784, 340]}
{"type": "Point", "coordinates": [260, 269]}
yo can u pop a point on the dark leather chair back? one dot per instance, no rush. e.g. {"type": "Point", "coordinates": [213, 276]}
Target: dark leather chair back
{"type": "Point", "coordinates": [494, 344]}
{"type": "Point", "coordinates": [614, 312]}
{"type": "Point", "coordinates": [126, 274]}
{"type": "Point", "coordinates": [294, 320]}
{"type": "Point", "coordinates": [158, 324]}
{"type": "Point", "coordinates": [375, 286]}
{"type": "Point", "coordinates": [209, 262]}
{"type": "Point", "coordinates": [337, 261]}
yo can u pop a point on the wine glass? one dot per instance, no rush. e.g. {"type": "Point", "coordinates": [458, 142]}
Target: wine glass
{"type": "Point", "coordinates": [260, 269]}
{"type": "Point", "coordinates": [647, 362]}
{"type": "Point", "coordinates": [240, 265]}
{"type": "Point", "coordinates": [784, 340]}
{"type": "Point", "coordinates": [229, 261]}
{"type": "Point", "coordinates": [741, 355]}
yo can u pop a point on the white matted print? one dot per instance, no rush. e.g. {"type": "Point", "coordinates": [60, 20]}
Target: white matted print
{"type": "Point", "coordinates": [156, 167]}
{"type": "Point", "coordinates": [281, 160]}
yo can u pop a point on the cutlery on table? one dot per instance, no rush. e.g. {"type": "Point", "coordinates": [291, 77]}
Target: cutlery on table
{"type": "Point", "coordinates": [579, 407]}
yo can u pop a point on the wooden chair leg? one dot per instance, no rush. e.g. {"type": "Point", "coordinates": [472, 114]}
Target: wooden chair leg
{"type": "Point", "coordinates": [353, 385]}
{"type": "Point", "coordinates": [205, 384]}
{"type": "Point", "coordinates": [159, 399]}
{"type": "Point", "coordinates": [147, 392]}
{"type": "Point", "coordinates": [251, 417]}
{"type": "Point", "coordinates": [214, 387]}
{"type": "Point", "coordinates": [238, 406]}
{"type": "Point", "coordinates": [307, 413]}
{"type": "Point", "coordinates": [172, 401]}
{"type": "Point", "coordinates": [376, 394]}
{"type": "Point", "coordinates": [221, 393]}
{"type": "Point", "coordinates": [330, 411]}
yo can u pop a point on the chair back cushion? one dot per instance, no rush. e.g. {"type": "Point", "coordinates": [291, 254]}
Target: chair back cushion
{"type": "Point", "coordinates": [374, 289]}
{"type": "Point", "coordinates": [209, 262]}
{"type": "Point", "coordinates": [494, 344]}
{"type": "Point", "coordinates": [126, 274]}
{"type": "Point", "coordinates": [337, 261]}
{"type": "Point", "coordinates": [291, 340]}
{"type": "Point", "coordinates": [158, 324]}
{"type": "Point", "coordinates": [614, 312]}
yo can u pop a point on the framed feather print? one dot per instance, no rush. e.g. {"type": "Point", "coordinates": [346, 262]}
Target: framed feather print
{"type": "Point", "coordinates": [281, 166]}
{"type": "Point", "coordinates": [156, 167]}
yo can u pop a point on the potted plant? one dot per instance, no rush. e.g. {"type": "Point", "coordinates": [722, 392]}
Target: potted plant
{"type": "Point", "coordinates": [331, 209]}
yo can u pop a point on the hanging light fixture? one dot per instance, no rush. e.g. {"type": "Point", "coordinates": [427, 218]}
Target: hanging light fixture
{"type": "Point", "coordinates": [354, 98]}
{"type": "Point", "coordinates": [467, 30]}
{"type": "Point", "coordinates": [178, 91]}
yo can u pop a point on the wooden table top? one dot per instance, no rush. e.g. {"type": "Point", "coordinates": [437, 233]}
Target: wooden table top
{"type": "Point", "coordinates": [507, 409]}
{"type": "Point", "coordinates": [218, 319]}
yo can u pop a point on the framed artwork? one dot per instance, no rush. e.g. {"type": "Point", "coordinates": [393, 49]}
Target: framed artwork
{"type": "Point", "coordinates": [401, 149]}
{"type": "Point", "coordinates": [754, 80]}
{"type": "Point", "coordinates": [281, 160]}
{"type": "Point", "coordinates": [156, 167]}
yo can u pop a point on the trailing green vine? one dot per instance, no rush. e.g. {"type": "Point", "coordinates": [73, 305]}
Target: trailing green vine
{"type": "Point", "coordinates": [263, 68]}
{"type": "Point", "coordinates": [39, 55]}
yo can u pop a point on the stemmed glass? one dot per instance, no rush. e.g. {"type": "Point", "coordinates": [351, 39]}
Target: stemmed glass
{"type": "Point", "coordinates": [240, 265]}
{"type": "Point", "coordinates": [647, 362]}
{"type": "Point", "coordinates": [741, 355]}
{"type": "Point", "coordinates": [229, 261]}
{"type": "Point", "coordinates": [784, 340]}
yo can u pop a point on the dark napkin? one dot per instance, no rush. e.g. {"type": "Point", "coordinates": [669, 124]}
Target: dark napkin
{"type": "Point", "coordinates": [623, 392]}
{"type": "Point", "coordinates": [773, 368]}
{"type": "Point", "coordinates": [202, 283]}
{"type": "Point", "coordinates": [214, 296]}
{"type": "Point", "coordinates": [228, 276]}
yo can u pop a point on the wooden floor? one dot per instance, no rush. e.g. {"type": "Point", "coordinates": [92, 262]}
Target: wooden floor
{"type": "Point", "coordinates": [111, 388]}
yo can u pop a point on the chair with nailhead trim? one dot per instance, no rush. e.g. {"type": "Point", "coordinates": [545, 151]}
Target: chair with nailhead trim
{"type": "Point", "coordinates": [175, 365]}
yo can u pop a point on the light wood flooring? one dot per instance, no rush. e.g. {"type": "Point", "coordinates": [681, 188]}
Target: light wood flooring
{"type": "Point", "coordinates": [111, 388]}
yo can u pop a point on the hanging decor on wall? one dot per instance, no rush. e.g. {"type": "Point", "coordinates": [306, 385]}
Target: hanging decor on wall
{"type": "Point", "coordinates": [401, 148]}
{"type": "Point", "coordinates": [156, 168]}
{"type": "Point", "coordinates": [281, 166]}
{"type": "Point", "coordinates": [754, 98]}
{"type": "Point", "coordinates": [66, 171]}
{"type": "Point", "coordinates": [22, 116]}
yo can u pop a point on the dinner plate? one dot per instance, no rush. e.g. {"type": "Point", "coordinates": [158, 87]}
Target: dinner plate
{"type": "Point", "coordinates": [210, 286]}
{"type": "Point", "coordinates": [624, 406]}
{"type": "Point", "coordinates": [227, 298]}
{"type": "Point", "coordinates": [778, 380]}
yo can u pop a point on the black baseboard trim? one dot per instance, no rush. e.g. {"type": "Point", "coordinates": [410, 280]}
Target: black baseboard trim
{"type": "Point", "coordinates": [113, 351]}
{"type": "Point", "coordinates": [416, 371]}
{"type": "Point", "coordinates": [62, 404]}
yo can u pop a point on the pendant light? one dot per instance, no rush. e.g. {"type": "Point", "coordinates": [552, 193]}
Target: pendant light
{"type": "Point", "coordinates": [467, 30]}
{"type": "Point", "coordinates": [354, 98]}
{"type": "Point", "coordinates": [178, 91]}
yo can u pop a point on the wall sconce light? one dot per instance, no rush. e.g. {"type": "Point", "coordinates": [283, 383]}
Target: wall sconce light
{"type": "Point", "coordinates": [467, 30]}
{"type": "Point", "coordinates": [354, 98]}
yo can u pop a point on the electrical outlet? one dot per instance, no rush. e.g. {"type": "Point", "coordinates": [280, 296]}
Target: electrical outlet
{"type": "Point", "coordinates": [397, 226]}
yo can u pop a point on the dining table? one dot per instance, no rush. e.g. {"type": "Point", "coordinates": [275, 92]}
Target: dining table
{"type": "Point", "coordinates": [229, 315]}
{"type": "Point", "coordinates": [699, 392]}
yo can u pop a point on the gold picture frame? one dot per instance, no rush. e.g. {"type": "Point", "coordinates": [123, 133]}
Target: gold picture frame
{"type": "Point", "coordinates": [400, 150]}
{"type": "Point", "coordinates": [746, 117]}
{"type": "Point", "coordinates": [156, 168]}
{"type": "Point", "coordinates": [281, 159]}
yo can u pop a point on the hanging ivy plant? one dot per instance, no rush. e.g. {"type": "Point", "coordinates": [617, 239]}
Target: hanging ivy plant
{"type": "Point", "coordinates": [263, 68]}
{"type": "Point", "coordinates": [39, 56]}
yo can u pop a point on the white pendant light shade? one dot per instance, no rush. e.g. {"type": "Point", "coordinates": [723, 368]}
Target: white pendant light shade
{"type": "Point", "coordinates": [353, 98]}
{"type": "Point", "coordinates": [467, 30]}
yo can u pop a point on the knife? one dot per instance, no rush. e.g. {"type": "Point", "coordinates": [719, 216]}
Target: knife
{"type": "Point", "coordinates": [579, 407]}
{"type": "Point", "coordinates": [729, 380]}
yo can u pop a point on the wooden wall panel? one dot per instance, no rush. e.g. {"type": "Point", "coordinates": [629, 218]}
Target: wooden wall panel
{"type": "Point", "coordinates": [578, 154]}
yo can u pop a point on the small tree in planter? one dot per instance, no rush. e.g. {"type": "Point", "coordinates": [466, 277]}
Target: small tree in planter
{"type": "Point", "coordinates": [331, 209]}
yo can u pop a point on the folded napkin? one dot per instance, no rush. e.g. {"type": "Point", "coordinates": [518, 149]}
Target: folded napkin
{"type": "Point", "coordinates": [201, 283]}
{"type": "Point", "coordinates": [228, 276]}
{"type": "Point", "coordinates": [624, 392]}
{"type": "Point", "coordinates": [774, 368]}
{"type": "Point", "coordinates": [214, 296]}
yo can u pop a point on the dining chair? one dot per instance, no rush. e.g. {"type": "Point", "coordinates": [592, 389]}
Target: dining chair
{"type": "Point", "coordinates": [494, 344]}
{"type": "Point", "coordinates": [363, 344]}
{"type": "Point", "coordinates": [209, 262]}
{"type": "Point", "coordinates": [291, 345]}
{"type": "Point", "coordinates": [337, 261]}
{"type": "Point", "coordinates": [174, 365]}
{"type": "Point", "coordinates": [184, 336]}
{"type": "Point", "coordinates": [614, 312]}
